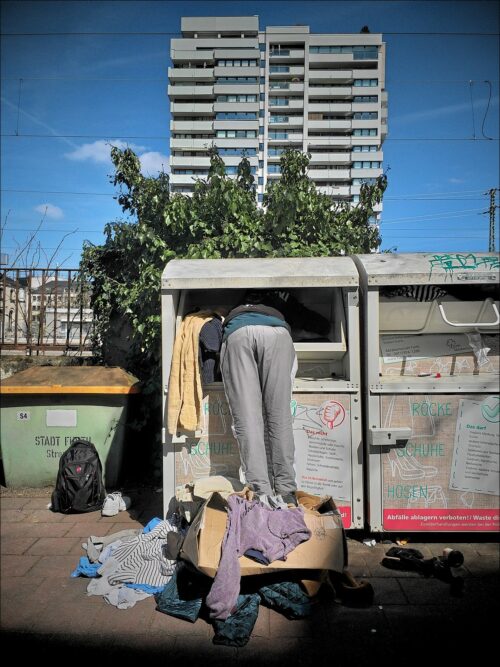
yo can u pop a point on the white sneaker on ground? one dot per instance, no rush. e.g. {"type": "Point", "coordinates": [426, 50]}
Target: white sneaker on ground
{"type": "Point", "coordinates": [114, 503]}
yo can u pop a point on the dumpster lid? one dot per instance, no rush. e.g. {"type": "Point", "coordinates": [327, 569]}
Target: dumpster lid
{"type": "Point", "coordinates": [429, 268]}
{"type": "Point", "coordinates": [259, 273]}
{"type": "Point", "coordinates": [71, 380]}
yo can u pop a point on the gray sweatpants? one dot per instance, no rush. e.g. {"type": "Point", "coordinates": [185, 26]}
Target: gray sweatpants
{"type": "Point", "coordinates": [258, 363]}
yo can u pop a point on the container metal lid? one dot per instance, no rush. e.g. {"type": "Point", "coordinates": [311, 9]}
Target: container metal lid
{"type": "Point", "coordinates": [71, 380]}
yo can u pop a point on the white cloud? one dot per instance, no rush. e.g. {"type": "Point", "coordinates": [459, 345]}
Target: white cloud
{"type": "Point", "coordinates": [99, 151]}
{"type": "Point", "coordinates": [154, 162]}
{"type": "Point", "coordinates": [456, 180]}
{"type": "Point", "coordinates": [50, 211]}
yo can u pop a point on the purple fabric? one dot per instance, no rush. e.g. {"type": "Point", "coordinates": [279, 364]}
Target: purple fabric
{"type": "Point", "coordinates": [252, 525]}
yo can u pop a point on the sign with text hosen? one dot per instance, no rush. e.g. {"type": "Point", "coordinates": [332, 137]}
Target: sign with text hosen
{"type": "Point", "coordinates": [447, 475]}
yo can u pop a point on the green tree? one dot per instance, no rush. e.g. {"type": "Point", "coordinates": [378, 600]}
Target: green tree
{"type": "Point", "coordinates": [301, 221]}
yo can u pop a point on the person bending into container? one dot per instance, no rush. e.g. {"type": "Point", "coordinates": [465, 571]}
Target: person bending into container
{"type": "Point", "coordinates": [258, 365]}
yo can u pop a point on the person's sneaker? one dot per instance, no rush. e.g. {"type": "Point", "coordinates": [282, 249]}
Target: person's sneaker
{"type": "Point", "coordinates": [114, 503]}
{"type": "Point", "coordinates": [290, 499]}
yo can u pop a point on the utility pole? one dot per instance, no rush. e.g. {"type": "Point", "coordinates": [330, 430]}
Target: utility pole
{"type": "Point", "coordinates": [491, 210]}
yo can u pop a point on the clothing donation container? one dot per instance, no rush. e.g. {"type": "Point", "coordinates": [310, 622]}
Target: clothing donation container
{"type": "Point", "coordinates": [431, 405]}
{"type": "Point", "coordinates": [326, 400]}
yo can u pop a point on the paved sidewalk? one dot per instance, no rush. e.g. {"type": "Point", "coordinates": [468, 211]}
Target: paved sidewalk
{"type": "Point", "coordinates": [414, 620]}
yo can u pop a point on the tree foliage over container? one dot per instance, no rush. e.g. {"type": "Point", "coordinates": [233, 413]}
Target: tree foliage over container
{"type": "Point", "coordinates": [220, 219]}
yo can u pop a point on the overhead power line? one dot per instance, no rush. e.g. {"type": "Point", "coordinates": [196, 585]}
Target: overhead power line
{"type": "Point", "coordinates": [167, 138]}
{"type": "Point", "coordinates": [436, 33]}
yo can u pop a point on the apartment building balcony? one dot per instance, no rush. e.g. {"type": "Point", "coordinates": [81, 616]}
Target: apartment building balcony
{"type": "Point", "coordinates": [366, 124]}
{"type": "Point", "coordinates": [285, 88]}
{"type": "Point", "coordinates": [235, 142]}
{"type": "Point", "coordinates": [195, 162]}
{"type": "Point", "coordinates": [322, 142]}
{"type": "Point", "coordinates": [288, 103]}
{"type": "Point", "coordinates": [236, 89]}
{"type": "Point", "coordinates": [366, 173]}
{"type": "Point", "coordinates": [339, 107]}
{"type": "Point", "coordinates": [335, 190]}
{"type": "Point", "coordinates": [383, 99]}
{"type": "Point", "coordinates": [182, 92]}
{"type": "Point", "coordinates": [367, 74]}
{"type": "Point", "coordinates": [285, 71]}
{"type": "Point", "coordinates": [236, 106]}
{"type": "Point", "coordinates": [375, 155]}
{"type": "Point", "coordinates": [237, 71]}
{"type": "Point", "coordinates": [209, 43]}
{"type": "Point", "coordinates": [319, 60]}
{"type": "Point", "coordinates": [365, 107]}
{"type": "Point", "coordinates": [282, 120]}
{"type": "Point", "coordinates": [185, 179]}
{"type": "Point", "coordinates": [330, 158]}
{"type": "Point", "coordinates": [277, 56]}
{"type": "Point", "coordinates": [331, 92]}
{"type": "Point", "coordinates": [237, 54]}
{"type": "Point", "coordinates": [191, 144]}
{"type": "Point", "coordinates": [189, 161]}
{"type": "Point", "coordinates": [323, 124]}
{"type": "Point", "coordinates": [236, 125]}
{"type": "Point", "coordinates": [326, 76]}
{"type": "Point", "coordinates": [191, 108]}
{"type": "Point", "coordinates": [191, 125]}
{"type": "Point", "coordinates": [193, 56]}
{"type": "Point", "coordinates": [190, 74]}
{"type": "Point", "coordinates": [284, 137]}
{"type": "Point", "coordinates": [329, 174]}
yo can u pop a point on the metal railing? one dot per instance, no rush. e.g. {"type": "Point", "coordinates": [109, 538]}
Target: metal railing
{"type": "Point", "coordinates": [45, 310]}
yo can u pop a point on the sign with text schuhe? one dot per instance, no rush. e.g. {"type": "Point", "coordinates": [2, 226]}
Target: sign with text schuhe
{"type": "Point", "coordinates": [447, 476]}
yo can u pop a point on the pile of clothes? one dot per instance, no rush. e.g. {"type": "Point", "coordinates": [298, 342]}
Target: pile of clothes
{"type": "Point", "coordinates": [131, 565]}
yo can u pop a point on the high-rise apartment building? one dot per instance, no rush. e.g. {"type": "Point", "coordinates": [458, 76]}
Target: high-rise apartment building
{"type": "Point", "coordinates": [260, 92]}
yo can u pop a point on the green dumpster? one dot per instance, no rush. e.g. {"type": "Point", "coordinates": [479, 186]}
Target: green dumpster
{"type": "Point", "coordinates": [44, 409]}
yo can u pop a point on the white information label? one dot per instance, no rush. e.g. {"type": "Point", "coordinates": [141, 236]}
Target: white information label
{"type": "Point", "coordinates": [23, 416]}
{"type": "Point", "coordinates": [395, 348]}
{"type": "Point", "coordinates": [476, 454]}
{"type": "Point", "coordinates": [61, 418]}
{"type": "Point", "coordinates": [322, 437]}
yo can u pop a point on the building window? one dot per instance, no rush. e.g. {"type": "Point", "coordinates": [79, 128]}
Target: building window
{"type": "Point", "coordinates": [357, 99]}
{"type": "Point", "coordinates": [366, 164]}
{"type": "Point", "coordinates": [236, 134]}
{"type": "Point", "coordinates": [363, 181]}
{"type": "Point", "coordinates": [236, 98]}
{"type": "Point", "coordinates": [225, 80]}
{"type": "Point", "coordinates": [274, 169]}
{"type": "Point", "coordinates": [248, 152]}
{"type": "Point", "coordinates": [236, 63]}
{"type": "Point", "coordinates": [364, 132]}
{"type": "Point", "coordinates": [275, 69]}
{"type": "Point", "coordinates": [278, 101]}
{"type": "Point", "coordinates": [365, 115]}
{"type": "Point", "coordinates": [369, 148]}
{"type": "Point", "coordinates": [236, 115]}
{"type": "Point", "coordinates": [364, 83]}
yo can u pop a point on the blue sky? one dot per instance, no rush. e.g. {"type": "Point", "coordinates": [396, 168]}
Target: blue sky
{"type": "Point", "coordinates": [64, 97]}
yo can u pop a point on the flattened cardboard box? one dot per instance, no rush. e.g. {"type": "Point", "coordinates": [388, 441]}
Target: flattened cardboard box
{"type": "Point", "coordinates": [323, 551]}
